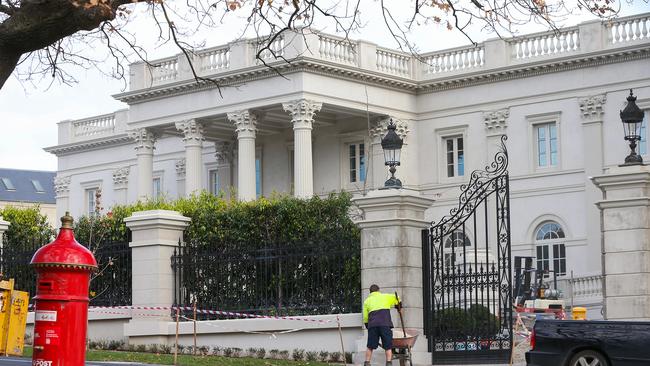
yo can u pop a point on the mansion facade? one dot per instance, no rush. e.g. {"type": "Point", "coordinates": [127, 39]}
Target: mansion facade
{"type": "Point", "coordinates": [316, 129]}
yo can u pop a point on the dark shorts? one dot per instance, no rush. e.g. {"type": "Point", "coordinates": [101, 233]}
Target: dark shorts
{"type": "Point", "coordinates": [375, 333]}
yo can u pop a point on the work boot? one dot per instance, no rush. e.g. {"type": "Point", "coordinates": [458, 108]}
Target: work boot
{"type": "Point", "coordinates": [366, 363]}
{"type": "Point", "coordinates": [389, 363]}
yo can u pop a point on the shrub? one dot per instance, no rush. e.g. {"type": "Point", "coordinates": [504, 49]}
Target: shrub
{"type": "Point", "coordinates": [153, 348]}
{"type": "Point", "coordinates": [335, 357]}
{"type": "Point", "coordinates": [165, 348]}
{"type": "Point", "coordinates": [457, 322]}
{"type": "Point", "coordinates": [228, 351]}
{"type": "Point", "coordinates": [141, 348]}
{"type": "Point", "coordinates": [284, 355]}
{"type": "Point", "coordinates": [348, 357]}
{"type": "Point", "coordinates": [311, 356]}
{"type": "Point", "coordinates": [323, 356]}
{"type": "Point", "coordinates": [236, 352]}
{"type": "Point", "coordinates": [27, 227]}
{"type": "Point", "coordinates": [274, 354]}
{"type": "Point", "coordinates": [261, 352]}
{"type": "Point", "coordinates": [216, 350]}
{"type": "Point", "coordinates": [298, 354]}
{"type": "Point", "coordinates": [251, 351]}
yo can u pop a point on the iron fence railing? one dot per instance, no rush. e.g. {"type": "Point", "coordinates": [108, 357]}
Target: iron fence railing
{"type": "Point", "coordinates": [297, 279]}
{"type": "Point", "coordinates": [14, 263]}
{"type": "Point", "coordinates": [110, 286]}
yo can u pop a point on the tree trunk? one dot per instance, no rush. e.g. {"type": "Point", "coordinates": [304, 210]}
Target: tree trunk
{"type": "Point", "coordinates": [8, 62]}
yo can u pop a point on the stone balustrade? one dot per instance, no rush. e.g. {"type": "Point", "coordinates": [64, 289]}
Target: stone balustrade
{"type": "Point", "coordinates": [95, 126]}
{"type": "Point", "coordinates": [428, 66]}
{"type": "Point", "coordinates": [582, 289]}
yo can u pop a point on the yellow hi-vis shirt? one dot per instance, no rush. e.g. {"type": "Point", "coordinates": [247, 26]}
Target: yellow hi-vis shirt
{"type": "Point", "coordinates": [376, 309]}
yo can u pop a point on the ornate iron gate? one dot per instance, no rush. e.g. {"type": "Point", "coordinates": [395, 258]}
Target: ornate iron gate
{"type": "Point", "coordinates": [467, 276]}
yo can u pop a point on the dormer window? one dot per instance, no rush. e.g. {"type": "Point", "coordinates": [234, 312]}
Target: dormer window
{"type": "Point", "coordinates": [37, 186]}
{"type": "Point", "coordinates": [8, 184]}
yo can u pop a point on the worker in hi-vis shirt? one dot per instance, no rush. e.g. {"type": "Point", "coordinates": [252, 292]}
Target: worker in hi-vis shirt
{"type": "Point", "coordinates": [376, 318]}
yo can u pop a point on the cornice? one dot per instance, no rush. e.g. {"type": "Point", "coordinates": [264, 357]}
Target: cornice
{"type": "Point", "coordinates": [322, 67]}
{"type": "Point", "coordinates": [96, 144]}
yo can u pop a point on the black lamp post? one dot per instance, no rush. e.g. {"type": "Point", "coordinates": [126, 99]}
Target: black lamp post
{"type": "Point", "coordinates": [632, 117]}
{"type": "Point", "coordinates": [391, 143]}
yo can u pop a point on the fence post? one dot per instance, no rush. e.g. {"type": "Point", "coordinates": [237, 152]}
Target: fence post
{"type": "Point", "coordinates": [625, 210]}
{"type": "Point", "coordinates": [155, 234]}
{"type": "Point", "coordinates": [391, 257]}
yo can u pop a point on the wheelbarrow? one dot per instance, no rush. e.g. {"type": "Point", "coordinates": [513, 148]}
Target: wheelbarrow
{"type": "Point", "coordinates": [403, 341]}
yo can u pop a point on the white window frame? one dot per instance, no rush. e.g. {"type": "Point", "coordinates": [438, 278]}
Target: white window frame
{"type": "Point", "coordinates": [344, 163]}
{"type": "Point", "coordinates": [157, 175]}
{"type": "Point", "coordinates": [258, 157]}
{"type": "Point", "coordinates": [533, 122]}
{"type": "Point", "coordinates": [441, 137]}
{"type": "Point", "coordinates": [214, 172]}
{"type": "Point", "coordinates": [549, 245]}
{"type": "Point", "coordinates": [85, 187]}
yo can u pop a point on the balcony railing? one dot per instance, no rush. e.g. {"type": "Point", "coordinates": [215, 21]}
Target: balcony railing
{"type": "Point", "coordinates": [585, 38]}
{"type": "Point", "coordinates": [94, 126]}
{"type": "Point", "coordinates": [582, 290]}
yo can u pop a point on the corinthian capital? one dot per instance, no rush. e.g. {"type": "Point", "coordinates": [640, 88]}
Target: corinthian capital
{"type": "Point", "coordinates": [302, 112]}
{"type": "Point", "coordinates": [245, 122]}
{"type": "Point", "coordinates": [144, 139]}
{"type": "Point", "coordinates": [496, 122]}
{"type": "Point", "coordinates": [61, 185]}
{"type": "Point", "coordinates": [591, 108]}
{"type": "Point", "coordinates": [192, 131]}
{"type": "Point", "coordinates": [381, 128]}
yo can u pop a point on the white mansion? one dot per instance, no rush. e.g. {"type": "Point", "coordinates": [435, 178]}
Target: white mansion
{"type": "Point", "coordinates": [316, 129]}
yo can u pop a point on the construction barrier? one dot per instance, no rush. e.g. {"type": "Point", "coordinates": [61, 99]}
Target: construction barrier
{"type": "Point", "coordinates": [13, 319]}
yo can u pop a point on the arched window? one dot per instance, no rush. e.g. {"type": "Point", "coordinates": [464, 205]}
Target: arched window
{"type": "Point", "coordinates": [549, 243]}
{"type": "Point", "coordinates": [458, 239]}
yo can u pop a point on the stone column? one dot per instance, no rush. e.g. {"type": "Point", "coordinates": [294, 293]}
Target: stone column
{"type": "Point", "coordinates": [391, 257]}
{"type": "Point", "coordinates": [625, 213]}
{"type": "Point", "coordinates": [144, 146]}
{"type": "Point", "coordinates": [591, 111]}
{"type": "Point", "coordinates": [378, 171]}
{"type": "Point", "coordinates": [180, 177]}
{"type": "Point", "coordinates": [302, 117]}
{"type": "Point", "coordinates": [155, 235]}
{"type": "Point", "coordinates": [496, 125]}
{"type": "Point", "coordinates": [245, 124]}
{"type": "Point", "coordinates": [223, 152]}
{"type": "Point", "coordinates": [120, 184]}
{"type": "Point", "coordinates": [193, 139]}
{"type": "Point", "coordinates": [62, 191]}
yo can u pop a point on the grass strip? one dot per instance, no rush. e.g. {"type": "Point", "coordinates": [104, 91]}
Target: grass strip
{"type": "Point", "coordinates": [185, 360]}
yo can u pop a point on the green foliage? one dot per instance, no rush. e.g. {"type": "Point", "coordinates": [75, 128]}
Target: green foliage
{"type": "Point", "coordinates": [457, 322]}
{"type": "Point", "coordinates": [28, 227]}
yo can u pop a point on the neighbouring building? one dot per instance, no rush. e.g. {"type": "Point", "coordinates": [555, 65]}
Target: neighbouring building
{"type": "Point", "coordinates": [29, 188]}
{"type": "Point", "coordinates": [316, 129]}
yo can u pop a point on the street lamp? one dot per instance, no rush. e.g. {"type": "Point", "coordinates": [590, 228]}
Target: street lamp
{"type": "Point", "coordinates": [391, 143]}
{"type": "Point", "coordinates": [632, 117]}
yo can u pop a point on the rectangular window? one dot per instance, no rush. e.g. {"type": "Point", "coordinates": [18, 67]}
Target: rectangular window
{"type": "Point", "coordinates": [90, 201]}
{"type": "Point", "coordinates": [37, 186]}
{"type": "Point", "coordinates": [547, 144]}
{"type": "Point", "coordinates": [8, 184]}
{"type": "Point", "coordinates": [357, 162]}
{"type": "Point", "coordinates": [455, 156]}
{"type": "Point", "coordinates": [258, 177]}
{"type": "Point", "coordinates": [543, 258]}
{"type": "Point", "coordinates": [157, 187]}
{"type": "Point", "coordinates": [214, 181]}
{"type": "Point", "coordinates": [559, 259]}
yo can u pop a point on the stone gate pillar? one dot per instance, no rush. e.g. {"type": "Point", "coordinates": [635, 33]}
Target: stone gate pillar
{"type": "Point", "coordinates": [391, 226]}
{"type": "Point", "coordinates": [625, 218]}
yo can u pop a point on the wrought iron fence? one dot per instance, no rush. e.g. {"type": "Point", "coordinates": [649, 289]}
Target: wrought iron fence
{"type": "Point", "coordinates": [111, 285]}
{"type": "Point", "coordinates": [14, 263]}
{"type": "Point", "coordinates": [299, 279]}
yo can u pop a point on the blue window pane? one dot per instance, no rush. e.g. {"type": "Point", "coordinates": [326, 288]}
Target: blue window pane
{"type": "Point", "coordinates": [258, 177]}
{"type": "Point", "coordinates": [541, 145]}
{"type": "Point", "coordinates": [461, 164]}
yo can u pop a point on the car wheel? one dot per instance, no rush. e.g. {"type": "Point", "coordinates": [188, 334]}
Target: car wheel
{"type": "Point", "coordinates": [588, 358]}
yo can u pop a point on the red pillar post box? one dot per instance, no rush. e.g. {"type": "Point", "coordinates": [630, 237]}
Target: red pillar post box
{"type": "Point", "coordinates": [61, 313]}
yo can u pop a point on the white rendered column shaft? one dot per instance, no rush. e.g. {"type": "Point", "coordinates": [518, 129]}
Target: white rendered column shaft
{"type": "Point", "coordinates": [144, 146]}
{"type": "Point", "coordinates": [193, 138]}
{"type": "Point", "coordinates": [245, 123]}
{"type": "Point", "coordinates": [302, 117]}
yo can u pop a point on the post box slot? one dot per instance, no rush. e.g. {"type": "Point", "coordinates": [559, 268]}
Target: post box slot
{"type": "Point", "coordinates": [46, 285]}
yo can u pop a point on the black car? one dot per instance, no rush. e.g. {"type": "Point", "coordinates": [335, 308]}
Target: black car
{"type": "Point", "coordinates": [589, 343]}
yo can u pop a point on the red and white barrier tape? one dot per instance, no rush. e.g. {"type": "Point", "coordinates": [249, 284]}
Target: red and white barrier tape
{"type": "Point", "coordinates": [210, 312]}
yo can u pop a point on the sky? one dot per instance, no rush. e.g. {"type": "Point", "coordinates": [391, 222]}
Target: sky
{"type": "Point", "coordinates": [29, 112]}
